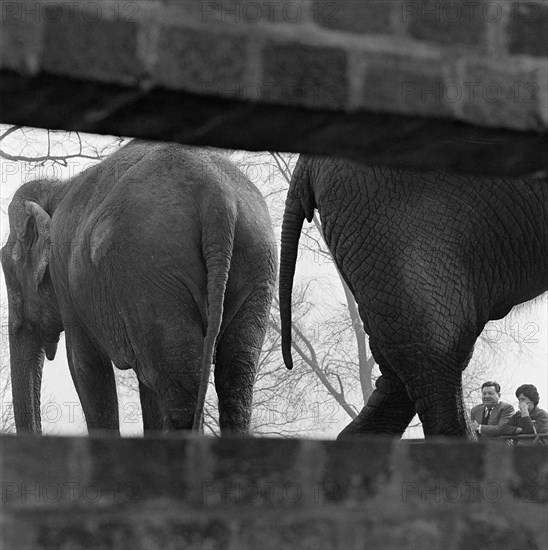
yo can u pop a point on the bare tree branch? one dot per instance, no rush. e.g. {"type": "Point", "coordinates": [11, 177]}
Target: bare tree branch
{"type": "Point", "coordinates": [9, 131]}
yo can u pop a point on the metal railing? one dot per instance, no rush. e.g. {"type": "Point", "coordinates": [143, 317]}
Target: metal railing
{"type": "Point", "coordinates": [537, 439]}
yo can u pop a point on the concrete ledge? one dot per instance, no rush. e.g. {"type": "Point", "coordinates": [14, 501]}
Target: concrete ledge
{"type": "Point", "coordinates": [263, 493]}
{"type": "Point", "coordinates": [387, 139]}
{"type": "Point", "coordinates": [482, 62]}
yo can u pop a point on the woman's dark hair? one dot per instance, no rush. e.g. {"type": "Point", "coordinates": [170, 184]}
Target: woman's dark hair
{"type": "Point", "coordinates": [530, 392]}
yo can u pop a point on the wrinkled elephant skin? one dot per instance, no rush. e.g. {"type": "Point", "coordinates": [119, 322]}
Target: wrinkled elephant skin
{"type": "Point", "coordinates": [144, 260]}
{"type": "Point", "coordinates": [429, 258]}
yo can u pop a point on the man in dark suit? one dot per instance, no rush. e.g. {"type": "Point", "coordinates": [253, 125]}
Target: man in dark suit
{"type": "Point", "coordinates": [488, 417]}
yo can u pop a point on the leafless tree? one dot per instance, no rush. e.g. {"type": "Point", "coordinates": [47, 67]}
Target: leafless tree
{"type": "Point", "coordinates": [42, 147]}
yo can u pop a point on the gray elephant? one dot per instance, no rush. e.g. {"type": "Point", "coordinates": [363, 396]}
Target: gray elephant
{"type": "Point", "coordinates": [430, 258]}
{"type": "Point", "coordinates": [162, 259]}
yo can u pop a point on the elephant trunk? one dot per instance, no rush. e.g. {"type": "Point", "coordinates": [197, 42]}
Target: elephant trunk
{"type": "Point", "coordinates": [27, 361]}
{"type": "Point", "coordinates": [291, 230]}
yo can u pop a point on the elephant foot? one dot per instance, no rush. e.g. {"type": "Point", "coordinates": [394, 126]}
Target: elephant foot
{"type": "Point", "coordinates": [445, 417]}
{"type": "Point", "coordinates": [352, 432]}
{"type": "Point", "coordinates": [373, 421]}
{"type": "Point", "coordinates": [456, 430]}
{"type": "Point", "coordinates": [179, 419]}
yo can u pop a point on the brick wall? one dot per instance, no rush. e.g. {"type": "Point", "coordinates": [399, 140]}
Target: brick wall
{"type": "Point", "coordinates": [260, 494]}
{"type": "Point", "coordinates": [448, 85]}
{"type": "Point", "coordinates": [483, 62]}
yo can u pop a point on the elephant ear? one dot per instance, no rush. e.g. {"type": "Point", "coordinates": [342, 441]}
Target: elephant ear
{"type": "Point", "coordinates": [33, 246]}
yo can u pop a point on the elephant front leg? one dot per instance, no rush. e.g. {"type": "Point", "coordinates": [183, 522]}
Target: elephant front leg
{"type": "Point", "coordinates": [434, 383]}
{"type": "Point", "coordinates": [93, 377]}
{"type": "Point", "coordinates": [234, 378]}
{"type": "Point", "coordinates": [441, 410]}
{"type": "Point", "coordinates": [388, 411]}
{"type": "Point", "coordinates": [443, 414]}
{"type": "Point", "coordinates": [236, 363]}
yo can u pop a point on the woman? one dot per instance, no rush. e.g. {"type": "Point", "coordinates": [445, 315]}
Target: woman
{"type": "Point", "coordinates": [529, 419]}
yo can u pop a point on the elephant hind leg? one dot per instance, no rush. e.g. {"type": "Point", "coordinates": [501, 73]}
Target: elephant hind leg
{"type": "Point", "coordinates": [178, 398]}
{"type": "Point", "coordinates": [167, 335]}
{"type": "Point", "coordinates": [150, 406]}
{"type": "Point", "coordinates": [177, 389]}
{"type": "Point", "coordinates": [236, 362]}
{"type": "Point", "coordinates": [179, 413]}
{"type": "Point", "coordinates": [389, 409]}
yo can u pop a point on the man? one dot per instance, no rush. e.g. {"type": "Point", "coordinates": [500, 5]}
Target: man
{"type": "Point", "coordinates": [488, 417]}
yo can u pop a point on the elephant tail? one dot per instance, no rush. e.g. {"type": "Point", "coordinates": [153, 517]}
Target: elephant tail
{"type": "Point", "coordinates": [299, 204]}
{"type": "Point", "coordinates": [217, 247]}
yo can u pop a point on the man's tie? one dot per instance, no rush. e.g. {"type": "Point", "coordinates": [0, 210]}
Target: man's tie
{"type": "Point", "coordinates": [486, 416]}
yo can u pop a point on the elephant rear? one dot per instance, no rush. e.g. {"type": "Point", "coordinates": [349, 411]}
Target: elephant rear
{"type": "Point", "coordinates": [171, 245]}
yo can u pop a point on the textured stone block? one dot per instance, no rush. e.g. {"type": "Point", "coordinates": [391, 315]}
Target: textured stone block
{"type": "Point", "coordinates": [299, 533]}
{"type": "Point", "coordinates": [136, 470]}
{"type": "Point", "coordinates": [20, 37]}
{"type": "Point", "coordinates": [202, 61]}
{"type": "Point", "coordinates": [444, 462]}
{"type": "Point", "coordinates": [83, 46]}
{"type": "Point", "coordinates": [261, 472]}
{"type": "Point", "coordinates": [47, 477]}
{"type": "Point", "coordinates": [173, 470]}
{"type": "Point", "coordinates": [531, 470]}
{"type": "Point", "coordinates": [504, 95]}
{"type": "Point", "coordinates": [255, 12]}
{"type": "Point", "coordinates": [353, 476]}
{"type": "Point", "coordinates": [437, 475]}
{"type": "Point", "coordinates": [490, 532]}
{"type": "Point", "coordinates": [104, 471]}
{"type": "Point", "coordinates": [369, 17]}
{"type": "Point", "coordinates": [184, 9]}
{"type": "Point", "coordinates": [158, 528]}
{"type": "Point", "coordinates": [448, 22]}
{"type": "Point", "coordinates": [424, 533]}
{"type": "Point", "coordinates": [528, 29]}
{"type": "Point", "coordinates": [406, 84]}
{"type": "Point", "coordinates": [305, 75]}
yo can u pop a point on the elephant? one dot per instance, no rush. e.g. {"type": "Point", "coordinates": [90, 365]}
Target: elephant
{"type": "Point", "coordinates": [430, 258]}
{"type": "Point", "coordinates": [161, 258]}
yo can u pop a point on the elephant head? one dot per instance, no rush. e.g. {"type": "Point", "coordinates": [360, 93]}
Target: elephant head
{"type": "Point", "coordinates": [34, 318]}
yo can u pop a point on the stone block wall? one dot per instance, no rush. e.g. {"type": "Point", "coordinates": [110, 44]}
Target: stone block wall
{"type": "Point", "coordinates": [253, 494]}
{"type": "Point", "coordinates": [482, 62]}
